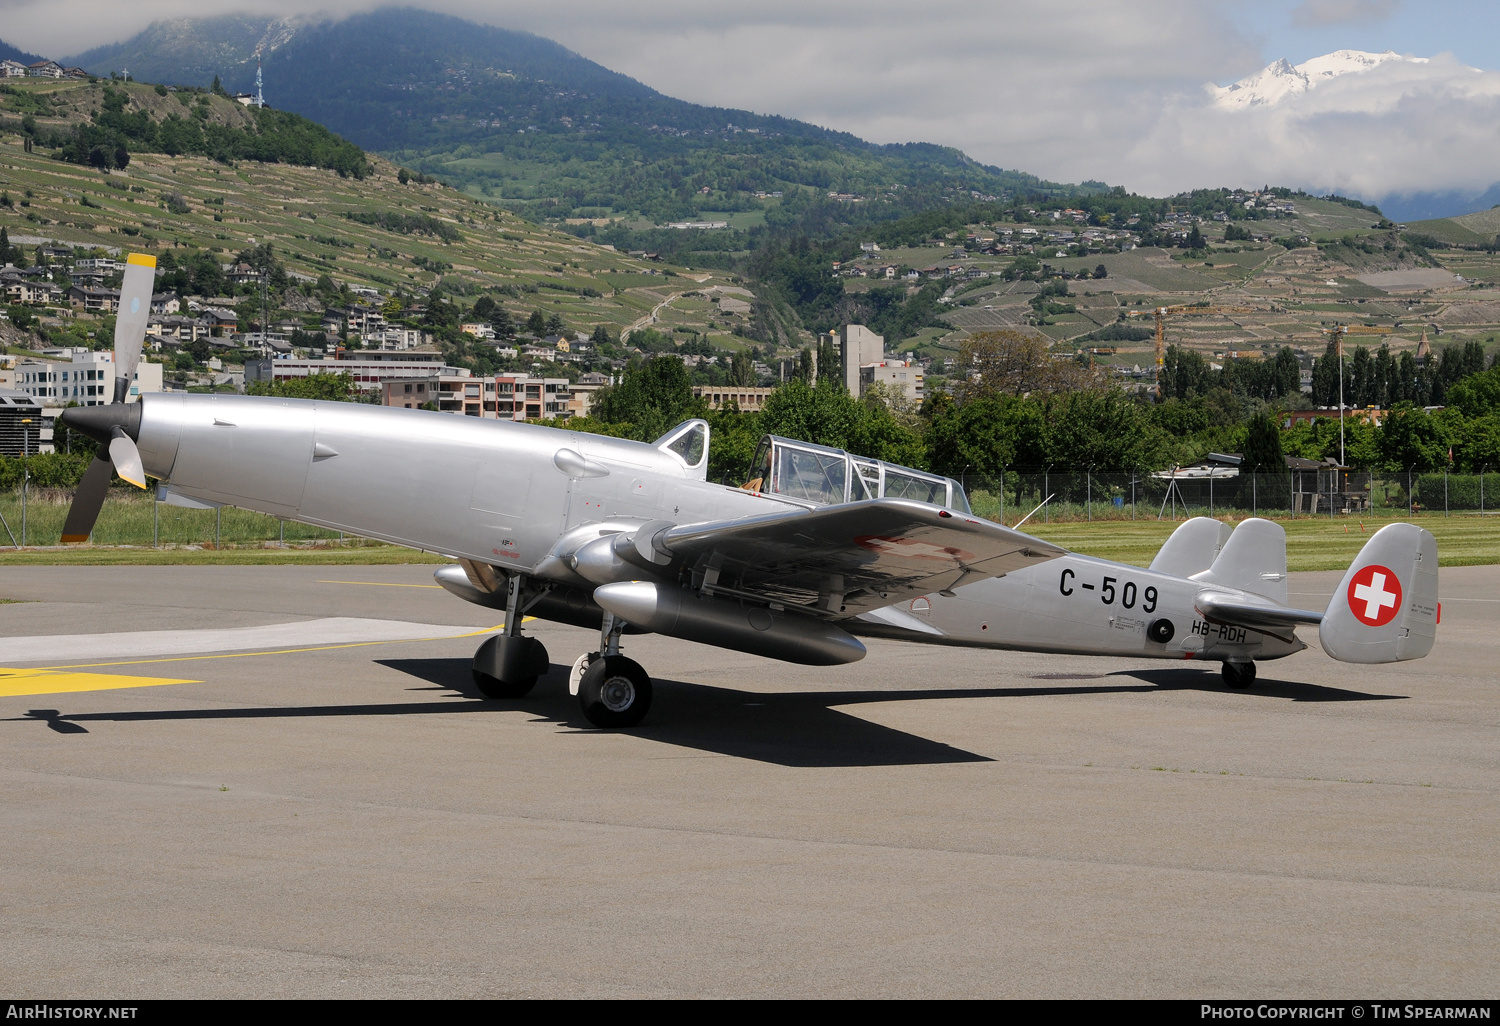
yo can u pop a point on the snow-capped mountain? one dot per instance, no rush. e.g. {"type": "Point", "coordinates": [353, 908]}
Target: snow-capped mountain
{"type": "Point", "coordinates": [1282, 79]}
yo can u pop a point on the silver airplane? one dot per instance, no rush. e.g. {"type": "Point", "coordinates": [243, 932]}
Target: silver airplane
{"type": "Point", "coordinates": [821, 547]}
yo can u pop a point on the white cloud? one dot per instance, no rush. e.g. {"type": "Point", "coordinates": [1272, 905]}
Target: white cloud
{"type": "Point", "coordinates": [1062, 88]}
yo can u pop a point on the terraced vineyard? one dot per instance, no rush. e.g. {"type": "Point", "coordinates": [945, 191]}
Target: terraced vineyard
{"type": "Point", "coordinates": [317, 222]}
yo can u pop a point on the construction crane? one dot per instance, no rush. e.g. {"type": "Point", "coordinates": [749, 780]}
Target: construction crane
{"type": "Point", "coordinates": [1338, 331]}
{"type": "Point", "coordinates": [1161, 313]}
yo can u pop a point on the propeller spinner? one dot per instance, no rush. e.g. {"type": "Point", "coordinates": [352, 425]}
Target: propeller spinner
{"type": "Point", "coordinates": [113, 426]}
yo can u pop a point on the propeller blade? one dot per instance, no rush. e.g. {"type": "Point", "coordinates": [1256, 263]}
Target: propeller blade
{"type": "Point", "coordinates": [130, 322]}
{"type": "Point", "coordinates": [126, 458]}
{"type": "Point", "coordinates": [87, 502]}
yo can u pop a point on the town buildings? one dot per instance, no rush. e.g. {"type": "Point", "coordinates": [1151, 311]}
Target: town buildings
{"type": "Point", "coordinates": [81, 376]}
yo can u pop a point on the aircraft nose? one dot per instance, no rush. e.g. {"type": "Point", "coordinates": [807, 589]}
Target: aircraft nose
{"type": "Point", "coordinates": [99, 422]}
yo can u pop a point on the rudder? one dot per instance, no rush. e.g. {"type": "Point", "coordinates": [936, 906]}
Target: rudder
{"type": "Point", "coordinates": [1192, 548]}
{"type": "Point", "coordinates": [1385, 608]}
{"type": "Point", "coordinates": [1253, 560]}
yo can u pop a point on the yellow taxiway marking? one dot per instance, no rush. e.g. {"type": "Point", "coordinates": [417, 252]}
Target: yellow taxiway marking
{"type": "Point", "coordinates": [384, 584]}
{"type": "Point", "coordinates": [14, 683]}
{"type": "Point", "coordinates": [46, 680]}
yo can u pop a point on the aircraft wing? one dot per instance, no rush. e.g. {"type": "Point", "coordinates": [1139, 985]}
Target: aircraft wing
{"type": "Point", "coordinates": [840, 561]}
{"type": "Point", "coordinates": [1266, 617]}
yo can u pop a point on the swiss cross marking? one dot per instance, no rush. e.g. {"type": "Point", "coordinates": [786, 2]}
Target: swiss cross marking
{"type": "Point", "coordinates": [1375, 596]}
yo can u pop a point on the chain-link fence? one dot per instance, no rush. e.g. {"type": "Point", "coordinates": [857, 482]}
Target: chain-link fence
{"type": "Point", "coordinates": [1178, 494]}
{"type": "Point", "coordinates": [35, 516]}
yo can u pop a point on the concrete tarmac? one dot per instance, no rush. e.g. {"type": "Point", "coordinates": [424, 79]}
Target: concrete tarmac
{"type": "Point", "coordinates": [349, 819]}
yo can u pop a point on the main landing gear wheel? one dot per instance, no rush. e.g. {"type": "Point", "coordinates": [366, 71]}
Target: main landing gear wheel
{"type": "Point", "coordinates": [1239, 675]}
{"type": "Point", "coordinates": [495, 688]}
{"type": "Point", "coordinates": [614, 692]}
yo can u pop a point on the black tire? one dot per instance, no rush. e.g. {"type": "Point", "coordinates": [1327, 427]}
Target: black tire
{"type": "Point", "coordinates": [495, 688]}
{"type": "Point", "coordinates": [1239, 675]}
{"type": "Point", "coordinates": [614, 692]}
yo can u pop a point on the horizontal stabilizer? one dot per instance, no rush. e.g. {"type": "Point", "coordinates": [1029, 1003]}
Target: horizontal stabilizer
{"type": "Point", "coordinates": [1266, 617]}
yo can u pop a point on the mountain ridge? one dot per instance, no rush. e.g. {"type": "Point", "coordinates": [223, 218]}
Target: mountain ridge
{"type": "Point", "coordinates": [522, 120]}
{"type": "Point", "coordinates": [12, 53]}
{"type": "Point", "coordinates": [1281, 79]}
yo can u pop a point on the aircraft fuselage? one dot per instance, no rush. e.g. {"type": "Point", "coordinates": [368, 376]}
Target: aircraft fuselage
{"type": "Point", "coordinates": [1085, 606]}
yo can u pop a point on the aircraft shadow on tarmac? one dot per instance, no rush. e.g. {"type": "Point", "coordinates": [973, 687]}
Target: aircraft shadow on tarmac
{"type": "Point", "coordinates": [802, 729]}
{"type": "Point", "coordinates": [1182, 678]}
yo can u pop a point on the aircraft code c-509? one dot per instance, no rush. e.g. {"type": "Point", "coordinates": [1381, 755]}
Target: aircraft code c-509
{"type": "Point", "coordinates": [1110, 590]}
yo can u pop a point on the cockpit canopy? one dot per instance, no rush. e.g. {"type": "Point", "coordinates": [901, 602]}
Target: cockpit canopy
{"type": "Point", "coordinates": [819, 474]}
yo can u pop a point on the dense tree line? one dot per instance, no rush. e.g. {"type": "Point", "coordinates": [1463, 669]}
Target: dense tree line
{"type": "Point", "coordinates": [115, 131]}
{"type": "Point", "coordinates": [1021, 410]}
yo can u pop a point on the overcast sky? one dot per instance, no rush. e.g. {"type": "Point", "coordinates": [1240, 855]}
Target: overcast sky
{"type": "Point", "coordinates": [1069, 90]}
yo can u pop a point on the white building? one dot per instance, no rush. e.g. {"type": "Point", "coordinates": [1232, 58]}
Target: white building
{"type": "Point", "coordinates": [901, 375]}
{"type": "Point", "coordinates": [502, 397]}
{"type": "Point", "coordinates": [369, 369]}
{"type": "Point", "coordinates": [858, 347]}
{"type": "Point", "coordinates": [81, 376]}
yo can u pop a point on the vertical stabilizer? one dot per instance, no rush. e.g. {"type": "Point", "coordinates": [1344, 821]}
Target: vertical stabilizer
{"type": "Point", "coordinates": [1192, 548]}
{"type": "Point", "coordinates": [1253, 560]}
{"type": "Point", "coordinates": [1385, 608]}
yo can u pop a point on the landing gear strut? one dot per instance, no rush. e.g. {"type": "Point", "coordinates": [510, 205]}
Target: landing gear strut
{"type": "Point", "coordinates": [613, 691]}
{"type": "Point", "coordinates": [508, 665]}
{"type": "Point", "coordinates": [1239, 675]}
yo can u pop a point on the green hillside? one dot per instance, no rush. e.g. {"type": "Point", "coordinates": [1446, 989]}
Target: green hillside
{"type": "Point", "coordinates": [526, 123]}
{"type": "Point", "coordinates": [373, 231]}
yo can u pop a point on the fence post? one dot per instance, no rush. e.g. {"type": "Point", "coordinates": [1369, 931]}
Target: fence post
{"type": "Point", "coordinates": [155, 519]}
{"type": "Point", "coordinates": [1088, 484]}
{"type": "Point", "coordinates": [1408, 491]}
{"type": "Point", "coordinates": [1445, 491]}
{"type": "Point", "coordinates": [1002, 493]}
{"type": "Point", "coordinates": [1132, 495]}
{"type": "Point", "coordinates": [218, 524]}
{"type": "Point", "coordinates": [1481, 489]}
{"type": "Point", "coordinates": [1254, 495]}
{"type": "Point", "coordinates": [1046, 491]}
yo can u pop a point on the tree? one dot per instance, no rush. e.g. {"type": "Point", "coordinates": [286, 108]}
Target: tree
{"type": "Point", "coordinates": [1412, 438]}
{"type": "Point", "coordinates": [654, 395]}
{"type": "Point", "coordinates": [1101, 271]}
{"type": "Point", "coordinates": [741, 370]}
{"type": "Point", "coordinates": [218, 87]}
{"type": "Point", "coordinates": [601, 337]}
{"type": "Point", "coordinates": [537, 323]}
{"type": "Point", "coordinates": [555, 326]}
{"type": "Point", "coordinates": [1263, 458]}
{"type": "Point", "coordinates": [338, 387]}
{"type": "Point", "coordinates": [484, 309]}
{"type": "Point", "coordinates": [1009, 362]}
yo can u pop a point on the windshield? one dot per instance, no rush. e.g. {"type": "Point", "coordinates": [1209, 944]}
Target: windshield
{"type": "Point", "coordinates": [816, 473]}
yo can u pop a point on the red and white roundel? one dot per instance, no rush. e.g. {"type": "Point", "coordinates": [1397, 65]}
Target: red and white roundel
{"type": "Point", "coordinates": [1375, 595]}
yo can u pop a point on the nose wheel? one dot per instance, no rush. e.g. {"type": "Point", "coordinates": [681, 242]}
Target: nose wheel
{"type": "Point", "coordinates": [1239, 675]}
